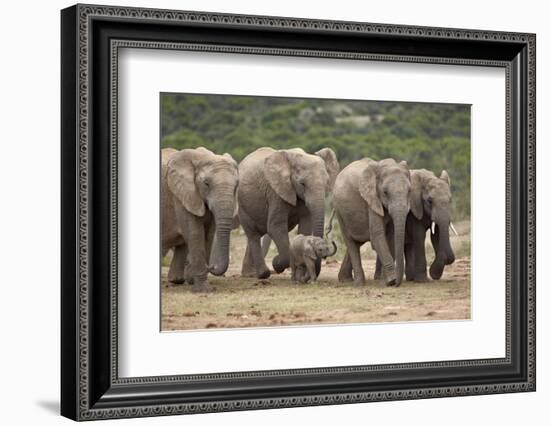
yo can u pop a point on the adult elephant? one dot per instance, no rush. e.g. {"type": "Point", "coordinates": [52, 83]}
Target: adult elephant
{"type": "Point", "coordinates": [333, 168]}
{"type": "Point", "coordinates": [278, 190]}
{"type": "Point", "coordinates": [198, 195]}
{"type": "Point", "coordinates": [369, 196]}
{"type": "Point", "coordinates": [430, 209]}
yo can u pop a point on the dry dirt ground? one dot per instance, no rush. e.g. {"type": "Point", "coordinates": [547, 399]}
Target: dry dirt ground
{"type": "Point", "coordinates": [277, 301]}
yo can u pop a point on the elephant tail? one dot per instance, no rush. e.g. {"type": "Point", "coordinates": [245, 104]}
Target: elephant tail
{"type": "Point", "coordinates": [328, 229]}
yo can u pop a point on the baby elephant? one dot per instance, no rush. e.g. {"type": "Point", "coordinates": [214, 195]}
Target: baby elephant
{"type": "Point", "coordinates": [305, 250]}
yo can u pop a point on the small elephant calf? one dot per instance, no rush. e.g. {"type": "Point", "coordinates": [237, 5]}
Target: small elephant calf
{"type": "Point", "coordinates": [305, 250]}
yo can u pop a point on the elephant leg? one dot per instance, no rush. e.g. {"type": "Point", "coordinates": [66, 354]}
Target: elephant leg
{"type": "Point", "coordinates": [310, 267]}
{"type": "Point", "coordinates": [253, 263]}
{"type": "Point", "coordinates": [409, 262]}
{"type": "Point", "coordinates": [292, 269]}
{"type": "Point", "coordinates": [248, 269]}
{"type": "Point", "coordinates": [197, 269]}
{"type": "Point", "coordinates": [420, 264]}
{"type": "Point", "coordinates": [345, 273]}
{"type": "Point", "coordinates": [353, 251]}
{"type": "Point", "coordinates": [255, 249]}
{"type": "Point", "coordinates": [305, 228]}
{"type": "Point", "coordinates": [379, 243]}
{"type": "Point", "coordinates": [378, 269]}
{"type": "Point", "coordinates": [277, 229]}
{"type": "Point", "coordinates": [176, 273]}
{"type": "Point", "coordinates": [301, 274]}
{"type": "Point", "coordinates": [266, 242]}
{"type": "Point", "coordinates": [279, 234]}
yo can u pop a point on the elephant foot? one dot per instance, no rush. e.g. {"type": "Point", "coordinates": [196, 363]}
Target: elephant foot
{"type": "Point", "coordinates": [390, 277]}
{"type": "Point", "coordinates": [248, 271]}
{"type": "Point", "coordinates": [202, 288]}
{"type": "Point", "coordinates": [176, 280]}
{"type": "Point", "coordinates": [345, 275]}
{"type": "Point", "coordinates": [188, 276]}
{"type": "Point", "coordinates": [301, 275]}
{"type": "Point", "coordinates": [359, 282]}
{"type": "Point", "coordinates": [178, 277]}
{"type": "Point", "coordinates": [344, 278]}
{"type": "Point", "coordinates": [377, 275]}
{"type": "Point", "coordinates": [420, 278]}
{"type": "Point", "coordinates": [280, 264]}
{"type": "Point", "coordinates": [264, 274]}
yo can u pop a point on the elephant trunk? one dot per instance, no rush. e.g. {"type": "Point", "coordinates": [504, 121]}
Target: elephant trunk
{"type": "Point", "coordinates": [443, 251]}
{"type": "Point", "coordinates": [316, 206]}
{"type": "Point", "coordinates": [399, 245]}
{"type": "Point", "coordinates": [334, 249]}
{"type": "Point", "coordinates": [317, 211]}
{"type": "Point", "coordinates": [223, 215]}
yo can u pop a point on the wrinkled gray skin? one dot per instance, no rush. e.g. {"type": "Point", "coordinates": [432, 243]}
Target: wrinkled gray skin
{"type": "Point", "coordinates": [333, 168]}
{"type": "Point", "coordinates": [198, 196]}
{"type": "Point", "coordinates": [277, 191]}
{"type": "Point", "coordinates": [430, 203]}
{"type": "Point", "coordinates": [305, 251]}
{"type": "Point", "coordinates": [369, 196]}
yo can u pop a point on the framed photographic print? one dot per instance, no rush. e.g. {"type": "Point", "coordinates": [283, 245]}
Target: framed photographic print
{"type": "Point", "coordinates": [263, 212]}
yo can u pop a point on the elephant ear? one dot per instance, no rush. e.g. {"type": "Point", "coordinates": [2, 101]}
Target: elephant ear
{"type": "Point", "coordinates": [445, 177]}
{"type": "Point", "coordinates": [417, 206]}
{"type": "Point", "coordinates": [204, 150]}
{"type": "Point", "coordinates": [180, 177]}
{"type": "Point", "coordinates": [229, 158]}
{"type": "Point", "coordinates": [406, 167]}
{"type": "Point", "coordinates": [277, 172]}
{"type": "Point", "coordinates": [367, 188]}
{"type": "Point", "coordinates": [331, 164]}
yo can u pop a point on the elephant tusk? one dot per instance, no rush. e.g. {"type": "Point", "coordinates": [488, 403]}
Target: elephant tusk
{"type": "Point", "coordinates": [433, 227]}
{"type": "Point", "coordinates": [453, 228]}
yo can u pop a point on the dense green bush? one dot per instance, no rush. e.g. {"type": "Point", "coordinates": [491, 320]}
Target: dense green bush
{"type": "Point", "coordinates": [431, 136]}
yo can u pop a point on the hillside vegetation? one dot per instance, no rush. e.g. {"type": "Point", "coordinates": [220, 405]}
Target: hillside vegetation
{"type": "Point", "coordinates": [431, 136]}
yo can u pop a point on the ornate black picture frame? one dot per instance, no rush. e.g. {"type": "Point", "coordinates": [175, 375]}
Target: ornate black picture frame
{"type": "Point", "coordinates": [90, 386]}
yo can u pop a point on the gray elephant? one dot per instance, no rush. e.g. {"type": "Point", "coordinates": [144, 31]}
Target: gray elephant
{"type": "Point", "coordinates": [368, 197]}
{"type": "Point", "coordinates": [305, 251]}
{"type": "Point", "coordinates": [277, 191]}
{"type": "Point", "coordinates": [333, 168]}
{"type": "Point", "coordinates": [430, 209]}
{"type": "Point", "coordinates": [198, 196]}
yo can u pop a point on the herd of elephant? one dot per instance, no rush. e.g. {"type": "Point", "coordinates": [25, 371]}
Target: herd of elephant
{"type": "Point", "coordinates": [204, 196]}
